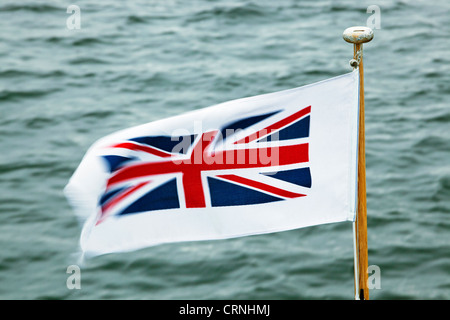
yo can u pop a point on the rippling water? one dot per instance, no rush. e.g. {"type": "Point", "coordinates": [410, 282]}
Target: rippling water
{"type": "Point", "coordinates": [138, 61]}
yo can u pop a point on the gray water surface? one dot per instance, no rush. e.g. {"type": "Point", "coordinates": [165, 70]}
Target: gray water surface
{"type": "Point", "coordinates": [138, 61]}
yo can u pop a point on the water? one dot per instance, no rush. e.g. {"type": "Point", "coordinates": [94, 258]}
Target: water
{"type": "Point", "coordinates": [131, 63]}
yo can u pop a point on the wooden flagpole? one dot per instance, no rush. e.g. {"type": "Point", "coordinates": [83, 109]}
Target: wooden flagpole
{"type": "Point", "coordinates": [358, 36]}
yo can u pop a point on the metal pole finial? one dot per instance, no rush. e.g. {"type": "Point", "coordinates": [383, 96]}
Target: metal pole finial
{"type": "Point", "coordinates": [358, 35]}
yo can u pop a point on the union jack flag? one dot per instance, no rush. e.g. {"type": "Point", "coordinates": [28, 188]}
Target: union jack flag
{"type": "Point", "coordinates": [250, 161]}
{"type": "Point", "coordinates": [267, 163]}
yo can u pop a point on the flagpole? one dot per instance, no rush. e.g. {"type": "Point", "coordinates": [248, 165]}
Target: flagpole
{"type": "Point", "coordinates": [358, 36]}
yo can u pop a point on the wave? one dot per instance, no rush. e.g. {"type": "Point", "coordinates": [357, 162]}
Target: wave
{"type": "Point", "coordinates": [10, 95]}
{"type": "Point", "coordinates": [31, 7]}
{"type": "Point", "coordinates": [15, 73]}
{"type": "Point", "coordinates": [233, 13]}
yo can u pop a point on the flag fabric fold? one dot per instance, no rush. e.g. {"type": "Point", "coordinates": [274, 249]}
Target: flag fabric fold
{"type": "Point", "coordinates": [269, 163]}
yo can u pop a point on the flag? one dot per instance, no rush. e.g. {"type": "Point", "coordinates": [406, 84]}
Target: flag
{"type": "Point", "coordinates": [262, 164]}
